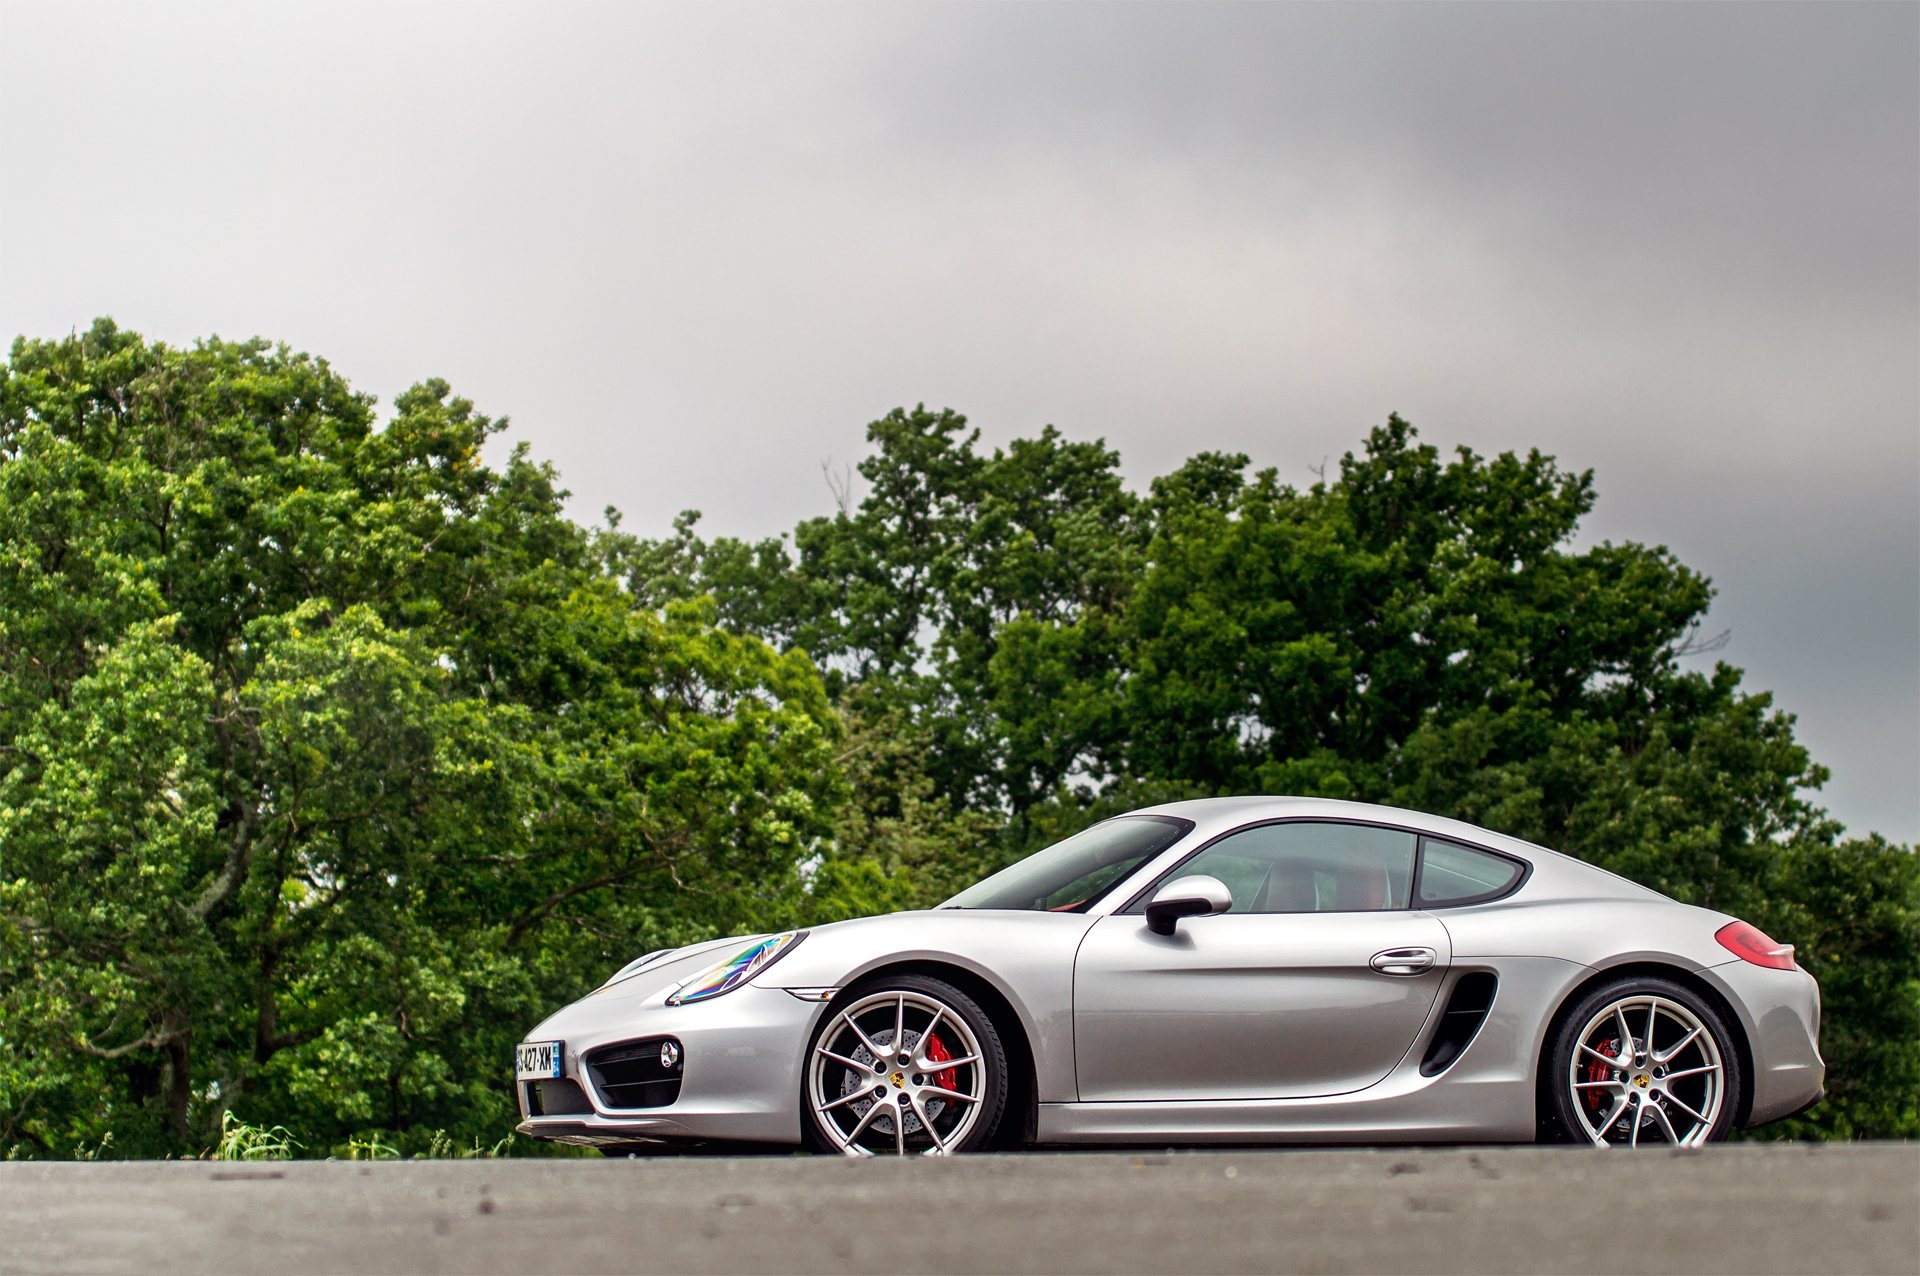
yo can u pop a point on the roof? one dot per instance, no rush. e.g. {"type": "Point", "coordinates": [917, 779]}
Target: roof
{"type": "Point", "coordinates": [1218, 815]}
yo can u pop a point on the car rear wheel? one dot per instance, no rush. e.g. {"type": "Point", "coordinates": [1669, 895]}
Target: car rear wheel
{"type": "Point", "coordinates": [1643, 1062]}
{"type": "Point", "coordinates": [907, 1064]}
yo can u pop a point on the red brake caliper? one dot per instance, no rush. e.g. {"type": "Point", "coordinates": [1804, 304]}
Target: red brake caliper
{"type": "Point", "coordinates": [946, 1078]}
{"type": "Point", "coordinates": [1597, 1071]}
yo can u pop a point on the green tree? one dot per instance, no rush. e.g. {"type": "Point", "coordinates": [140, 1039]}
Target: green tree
{"type": "Point", "coordinates": [331, 757]}
{"type": "Point", "coordinates": [1852, 908]}
{"type": "Point", "coordinates": [1413, 629]}
{"type": "Point", "coordinates": [950, 579]}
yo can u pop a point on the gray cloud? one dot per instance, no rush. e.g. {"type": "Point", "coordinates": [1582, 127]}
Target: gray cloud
{"type": "Point", "coordinates": [693, 249]}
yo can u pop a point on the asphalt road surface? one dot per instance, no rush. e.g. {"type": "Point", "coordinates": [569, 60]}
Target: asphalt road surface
{"type": "Point", "coordinates": [1746, 1208]}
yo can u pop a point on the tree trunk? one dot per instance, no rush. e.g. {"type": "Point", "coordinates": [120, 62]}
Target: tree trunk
{"type": "Point", "coordinates": [179, 1086]}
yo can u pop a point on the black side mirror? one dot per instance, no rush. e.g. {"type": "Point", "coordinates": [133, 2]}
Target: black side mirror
{"type": "Point", "coordinates": [1196, 896]}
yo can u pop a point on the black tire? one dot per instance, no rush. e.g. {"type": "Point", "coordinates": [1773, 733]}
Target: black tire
{"type": "Point", "coordinates": [990, 1084]}
{"type": "Point", "coordinates": [1618, 1102]}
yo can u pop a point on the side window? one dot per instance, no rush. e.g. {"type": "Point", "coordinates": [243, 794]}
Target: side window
{"type": "Point", "coordinates": [1455, 874]}
{"type": "Point", "coordinates": [1310, 868]}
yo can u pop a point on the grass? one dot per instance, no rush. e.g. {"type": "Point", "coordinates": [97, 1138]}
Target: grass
{"type": "Point", "coordinates": [242, 1142]}
{"type": "Point", "coordinates": [442, 1148]}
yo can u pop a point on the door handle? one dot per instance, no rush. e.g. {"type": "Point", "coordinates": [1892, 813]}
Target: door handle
{"type": "Point", "coordinates": [1403, 961]}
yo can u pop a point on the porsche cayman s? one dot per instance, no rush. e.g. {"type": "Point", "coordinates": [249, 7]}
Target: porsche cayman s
{"type": "Point", "coordinates": [1234, 970]}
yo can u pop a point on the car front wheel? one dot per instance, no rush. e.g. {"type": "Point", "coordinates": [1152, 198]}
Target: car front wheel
{"type": "Point", "coordinates": [1643, 1062]}
{"type": "Point", "coordinates": [907, 1064]}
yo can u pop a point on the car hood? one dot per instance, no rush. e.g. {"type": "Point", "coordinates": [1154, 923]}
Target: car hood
{"type": "Point", "coordinates": [671, 966]}
{"type": "Point", "coordinates": [993, 943]}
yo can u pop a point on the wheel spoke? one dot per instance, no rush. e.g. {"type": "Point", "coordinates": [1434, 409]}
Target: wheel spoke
{"type": "Point", "coordinates": [1653, 1008]}
{"type": "Point", "coordinates": [1610, 1060]}
{"type": "Point", "coordinates": [926, 1123]}
{"type": "Point", "coordinates": [941, 1065]}
{"type": "Point", "coordinates": [941, 1092]}
{"type": "Point", "coordinates": [866, 1119]}
{"type": "Point", "coordinates": [1626, 1033]}
{"type": "Point", "coordinates": [1600, 1085]}
{"type": "Point", "coordinates": [844, 1059]}
{"type": "Point", "coordinates": [845, 1099]}
{"type": "Point", "coordinates": [1692, 1072]}
{"type": "Point", "coordinates": [1633, 1135]}
{"type": "Point", "coordinates": [899, 1124]}
{"type": "Point", "coordinates": [1661, 1116]}
{"type": "Point", "coordinates": [872, 1049]}
{"type": "Point", "coordinates": [1677, 1102]}
{"type": "Point", "coordinates": [1600, 1135]}
{"type": "Point", "coordinates": [900, 1025]}
{"type": "Point", "coordinates": [1677, 1047]}
{"type": "Point", "coordinates": [926, 1035]}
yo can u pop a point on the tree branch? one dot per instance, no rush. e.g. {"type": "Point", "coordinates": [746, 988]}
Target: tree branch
{"type": "Point", "coordinates": [151, 1041]}
{"type": "Point", "coordinates": [533, 916]}
{"type": "Point", "coordinates": [239, 854]}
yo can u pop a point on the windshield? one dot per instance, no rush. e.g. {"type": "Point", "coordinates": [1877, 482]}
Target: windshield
{"type": "Point", "coordinates": [1069, 876]}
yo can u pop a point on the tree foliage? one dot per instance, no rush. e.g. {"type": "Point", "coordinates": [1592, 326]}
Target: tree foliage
{"type": "Point", "coordinates": [1416, 630]}
{"type": "Point", "coordinates": [331, 755]}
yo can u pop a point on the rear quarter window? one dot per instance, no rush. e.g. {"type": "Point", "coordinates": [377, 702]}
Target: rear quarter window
{"type": "Point", "coordinates": [1454, 874]}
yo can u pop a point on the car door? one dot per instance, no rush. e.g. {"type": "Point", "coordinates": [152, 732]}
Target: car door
{"type": "Point", "coordinates": [1316, 982]}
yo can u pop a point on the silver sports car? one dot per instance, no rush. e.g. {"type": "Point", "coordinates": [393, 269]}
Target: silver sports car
{"type": "Point", "coordinates": [1237, 970]}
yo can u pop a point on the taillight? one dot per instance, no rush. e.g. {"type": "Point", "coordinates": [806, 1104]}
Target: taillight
{"type": "Point", "coordinates": [1750, 943]}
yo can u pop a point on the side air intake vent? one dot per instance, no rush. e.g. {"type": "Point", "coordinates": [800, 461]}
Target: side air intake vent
{"type": "Point", "coordinates": [1466, 1011]}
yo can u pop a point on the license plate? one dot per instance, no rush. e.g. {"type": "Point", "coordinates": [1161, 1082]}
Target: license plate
{"type": "Point", "coordinates": [537, 1060]}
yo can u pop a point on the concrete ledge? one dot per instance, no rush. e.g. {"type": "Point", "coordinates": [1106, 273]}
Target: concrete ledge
{"type": "Point", "coordinates": [1743, 1208]}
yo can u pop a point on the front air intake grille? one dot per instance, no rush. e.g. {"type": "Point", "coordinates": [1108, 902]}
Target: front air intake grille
{"type": "Point", "coordinates": [637, 1074]}
{"type": "Point", "coordinates": [559, 1097]}
{"type": "Point", "coordinates": [1466, 1010]}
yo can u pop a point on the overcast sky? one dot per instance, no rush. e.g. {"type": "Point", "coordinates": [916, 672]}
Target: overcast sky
{"type": "Point", "coordinates": [691, 251]}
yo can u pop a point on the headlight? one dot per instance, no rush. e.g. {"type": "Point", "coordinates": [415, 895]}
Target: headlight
{"type": "Point", "coordinates": [735, 970]}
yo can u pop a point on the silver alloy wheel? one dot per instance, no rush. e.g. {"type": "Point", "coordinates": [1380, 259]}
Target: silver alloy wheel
{"type": "Point", "coordinates": [874, 1079]}
{"type": "Point", "coordinates": [1651, 1060]}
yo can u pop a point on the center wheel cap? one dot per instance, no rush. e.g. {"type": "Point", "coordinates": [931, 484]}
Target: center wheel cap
{"type": "Point", "coordinates": [1640, 1080]}
{"type": "Point", "coordinates": [899, 1080]}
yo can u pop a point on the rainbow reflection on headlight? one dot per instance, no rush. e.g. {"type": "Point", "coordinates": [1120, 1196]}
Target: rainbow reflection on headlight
{"type": "Point", "coordinates": [735, 970]}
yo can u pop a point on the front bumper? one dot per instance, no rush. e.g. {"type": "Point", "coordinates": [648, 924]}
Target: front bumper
{"type": "Point", "coordinates": [740, 1070]}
